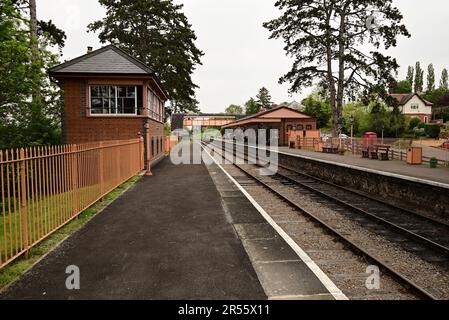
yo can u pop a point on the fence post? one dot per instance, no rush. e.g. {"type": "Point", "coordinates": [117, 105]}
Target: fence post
{"type": "Point", "coordinates": [100, 170]}
{"type": "Point", "coordinates": [74, 152]}
{"type": "Point", "coordinates": [24, 201]}
{"type": "Point", "coordinates": [118, 162]}
{"type": "Point", "coordinates": [141, 152]}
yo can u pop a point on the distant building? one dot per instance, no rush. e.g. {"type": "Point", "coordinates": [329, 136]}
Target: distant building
{"type": "Point", "coordinates": [414, 106]}
{"type": "Point", "coordinates": [281, 118]}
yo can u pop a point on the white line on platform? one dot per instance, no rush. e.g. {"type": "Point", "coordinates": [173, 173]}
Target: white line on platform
{"type": "Point", "coordinates": [325, 280]}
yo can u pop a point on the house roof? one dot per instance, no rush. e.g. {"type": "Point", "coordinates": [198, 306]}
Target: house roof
{"type": "Point", "coordinates": [403, 98]}
{"type": "Point", "coordinates": [271, 114]}
{"type": "Point", "coordinates": [107, 60]}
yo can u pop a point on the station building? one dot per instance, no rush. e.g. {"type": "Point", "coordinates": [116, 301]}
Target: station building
{"type": "Point", "coordinates": [109, 95]}
{"type": "Point", "coordinates": [282, 118]}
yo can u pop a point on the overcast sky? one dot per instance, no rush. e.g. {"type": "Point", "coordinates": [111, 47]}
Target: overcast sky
{"type": "Point", "coordinates": [239, 58]}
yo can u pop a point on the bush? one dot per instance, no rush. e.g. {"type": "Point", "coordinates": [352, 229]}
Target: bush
{"type": "Point", "coordinates": [414, 122]}
{"type": "Point", "coordinates": [433, 131]}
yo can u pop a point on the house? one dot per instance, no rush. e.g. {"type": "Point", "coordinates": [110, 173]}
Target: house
{"type": "Point", "coordinates": [281, 118]}
{"type": "Point", "coordinates": [109, 95]}
{"type": "Point", "coordinates": [414, 106]}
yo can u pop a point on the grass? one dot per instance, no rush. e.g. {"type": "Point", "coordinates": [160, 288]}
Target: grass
{"type": "Point", "coordinates": [17, 268]}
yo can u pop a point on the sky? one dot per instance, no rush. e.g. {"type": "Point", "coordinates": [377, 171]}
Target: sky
{"type": "Point", "coordinates": [239, 58]}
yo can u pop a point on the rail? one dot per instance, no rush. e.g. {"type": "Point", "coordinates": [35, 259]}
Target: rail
{"type": "Point", "coordinates": [44, 188]}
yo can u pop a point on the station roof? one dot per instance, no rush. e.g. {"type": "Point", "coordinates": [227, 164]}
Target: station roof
{"type": "Point", "coordinates": [274, 115]}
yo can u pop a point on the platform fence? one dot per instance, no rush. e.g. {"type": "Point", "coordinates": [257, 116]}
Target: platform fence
{"type": "Point", "coordinates": [43, 188]}
{"type": "Point", "coordinates": [398, 148]}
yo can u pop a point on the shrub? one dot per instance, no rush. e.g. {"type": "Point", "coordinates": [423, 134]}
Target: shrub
{"type": "Point", "coordinates": [414, 122]}
{"type": "Point", "coordinates": [433, 131]}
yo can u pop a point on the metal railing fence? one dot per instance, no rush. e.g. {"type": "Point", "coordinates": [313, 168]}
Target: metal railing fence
{"type": "Point", "coordinates": [43, 188]}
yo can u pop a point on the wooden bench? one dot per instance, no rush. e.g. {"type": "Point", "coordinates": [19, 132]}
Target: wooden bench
{"type": "Point", "coordinates": [383, 152]}
{"type": "Point", "coordinates": [365, 153]}
{"type": "Point", "coordinates": [330, 149]}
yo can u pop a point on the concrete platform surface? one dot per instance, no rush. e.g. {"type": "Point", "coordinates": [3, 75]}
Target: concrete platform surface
{"type": "Point", "coordinates": [168, 237]}
{"type": "Point", "coordinates": [281, 271]}
{"type": "Point", "coordinates": [422, 172]}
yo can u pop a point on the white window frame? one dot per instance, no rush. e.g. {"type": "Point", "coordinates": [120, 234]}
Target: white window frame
{"type": "Point", "coordinates": [116, 114]}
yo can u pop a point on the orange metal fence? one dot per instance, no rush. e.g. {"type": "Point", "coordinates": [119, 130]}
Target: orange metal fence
{"type": "Point", "coordinates": [43, 188]}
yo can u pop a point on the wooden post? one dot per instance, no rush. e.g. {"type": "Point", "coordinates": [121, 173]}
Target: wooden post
{"type": "Point", "coordinates": [24, 201]}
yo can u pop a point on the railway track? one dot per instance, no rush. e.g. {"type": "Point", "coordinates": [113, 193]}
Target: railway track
{"type": "Point", "coordinates": [423, 237]}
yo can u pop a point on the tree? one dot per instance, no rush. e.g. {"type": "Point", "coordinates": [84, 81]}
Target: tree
{"type": "Point", "coordinates": [159, 34]}
{"type": "Point", "coordinates": [264, 99]}
{"type": "Point", "coordinates": [401, 87]}
{"type": "Point", "coordinates": [318, 109]}
{"type": "Point", "coordinates": [334, 34]}
{"type": "Point", "coordinates": [444, 82]}
{"type": "Point", "coordinates": [252, 107]}
{"type": "Point", "coordinates": [234, 109]}
{"type": "Point", "coordinates": [430, 78]}
{"type": "Point", "coordinates": [419, 78]}
{"type": "Point", "coordinates": [410, 75]}
{"type": "Point", "coordinates": [397, 123]}
{"type": "Point", "coordinates": [31, 106]}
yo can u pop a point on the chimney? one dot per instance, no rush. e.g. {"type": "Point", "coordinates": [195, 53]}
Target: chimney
{"type": "Point", "coordinates": [89, 49]}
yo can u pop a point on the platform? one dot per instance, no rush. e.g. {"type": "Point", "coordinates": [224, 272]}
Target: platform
{"type": "Point", "coordinates": [179, 234]}
{"type": "Point", "coordinates": [416, 173]}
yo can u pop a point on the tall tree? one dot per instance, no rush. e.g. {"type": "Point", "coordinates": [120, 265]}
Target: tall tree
{"type": "Point", "coordinates": [30, 105]}
{"type": "Point", "coordinates": [327, 38]}
{"type": "Point", "coordinates": [444, 82]}
{"type": "Point", "coordinates": [251, 107]}
{"type": "Point", "coordinates": [159, 34]}
{"type": "Point", "coordinates": [410, 75]}
{"type": "Point", "coordinates": [401, 87]}
{"type": "Point", "coordinates": [419, 78]}
{"type": "Point", "coordinates": [264, 99]}
{"type": "Point", "coordinates": [234, 109]}
{"type": "Point", "coordinates": [430, 78]}
{"type": "Point", "coordinates": [317, 107]}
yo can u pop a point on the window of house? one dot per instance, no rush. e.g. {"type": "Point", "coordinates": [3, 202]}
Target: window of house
{"type": "Point", "coordinates": [309, 127]}
{"type": "Point", "coordinates": [157, 145]}
{"type": "Point", "coordinates": [116, 100]}
{"type": "Point", "coordinates": [415, 106]}
{"type": "Point", "coordinates": [300, 127]}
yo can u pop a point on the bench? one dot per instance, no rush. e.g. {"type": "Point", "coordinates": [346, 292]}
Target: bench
{"type": "Point", "coordinates": [380, 152]}
{"type": "Point", "coordinates": [365, 153]}
{"type": "Point", "coordinates": [383, 152]}
{"type": "Point", "coordinates": [330, 149]}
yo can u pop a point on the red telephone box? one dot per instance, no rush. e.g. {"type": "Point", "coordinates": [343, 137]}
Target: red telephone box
{"type": "Point", "coordinates": [369, 139]}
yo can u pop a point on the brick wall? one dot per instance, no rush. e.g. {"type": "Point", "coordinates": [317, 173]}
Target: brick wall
{"type": "Point", "coordinates": [79, 128]}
